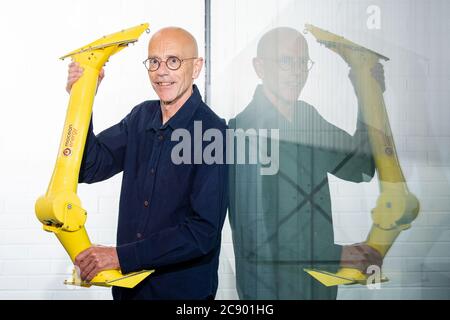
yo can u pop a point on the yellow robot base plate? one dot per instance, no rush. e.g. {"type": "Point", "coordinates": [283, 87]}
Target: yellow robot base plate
{"type": "Point", "coordinates": [330, 279]}
{"type": "Point", "coordinates": [127, 281]}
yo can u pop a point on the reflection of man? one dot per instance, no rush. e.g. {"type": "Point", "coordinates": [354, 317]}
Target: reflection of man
{"type": "Point", "coordinates": [283, 223]}
{"type": "Point", "coordinates": [170, 216]}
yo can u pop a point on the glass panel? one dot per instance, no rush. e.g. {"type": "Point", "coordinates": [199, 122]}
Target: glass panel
{"type": "Point", "coordinates": [344, 149]}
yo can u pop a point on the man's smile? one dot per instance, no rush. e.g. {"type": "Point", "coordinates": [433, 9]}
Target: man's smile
{"type": "Point", "coordinates": [164, 84]}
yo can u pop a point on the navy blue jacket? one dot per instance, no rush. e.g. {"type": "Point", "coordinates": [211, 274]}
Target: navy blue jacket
{"type": "Point", "coordinates": [170, 216]}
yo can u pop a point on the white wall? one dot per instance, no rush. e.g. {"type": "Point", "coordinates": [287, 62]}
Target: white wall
{"type": "Point", "coordinates": [33, 265]}
{"type": "Point", "coordinates": [414, 34]}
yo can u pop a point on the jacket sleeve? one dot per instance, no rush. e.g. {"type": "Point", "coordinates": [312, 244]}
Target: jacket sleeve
{"type": "Point", "coordinates": [104, 153]}
{"type": "Point", "coordinates": [352, 158]}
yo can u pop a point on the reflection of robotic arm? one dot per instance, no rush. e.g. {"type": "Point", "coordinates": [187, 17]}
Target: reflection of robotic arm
{"type": "Point", "coordinates": [396, 207]}
{"type": "Point", "coordinates": [60, 209]}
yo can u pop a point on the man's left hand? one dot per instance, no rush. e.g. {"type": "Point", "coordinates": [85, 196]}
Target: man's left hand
{"type": "Point", "coordinates": [360, 256]}
{"type": "Point", "coordinates": [378, 74]}
{"type": "Point", "coordinates": [95, 259]}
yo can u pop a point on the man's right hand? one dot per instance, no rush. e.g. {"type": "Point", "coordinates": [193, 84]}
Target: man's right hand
{"type": "Point", "coordinates": [75, 73]}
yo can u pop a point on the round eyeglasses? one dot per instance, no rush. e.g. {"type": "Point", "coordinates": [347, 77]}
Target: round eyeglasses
{"type": "Point", "coordinates": [173, 63]}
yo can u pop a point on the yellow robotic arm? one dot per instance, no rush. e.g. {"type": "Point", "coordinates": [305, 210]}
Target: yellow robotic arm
{"type": "Point", "coordinates": [60, 210]}
{"type": "Point", "coordinates": [396, 207]}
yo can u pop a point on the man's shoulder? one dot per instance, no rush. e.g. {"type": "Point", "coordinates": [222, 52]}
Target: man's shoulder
{"type": "Point", "coordinates": [145, 107]}
{"type": "Point", "coordinates": [250, 117]}
{"type": "Point", "coordinates": [141, 114]}
{"type": "Point", "coordinates": [309, 116]}
{"type": "Point", "coordinates": [209, 118]}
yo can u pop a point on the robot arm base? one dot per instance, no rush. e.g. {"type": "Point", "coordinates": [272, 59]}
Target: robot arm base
{"type": "Point", "coordinates": [110, 278]}
{"type": "Point", "coordinates": [345, 276]}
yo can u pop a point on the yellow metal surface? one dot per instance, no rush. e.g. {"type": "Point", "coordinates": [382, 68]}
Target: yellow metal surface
{"type": "Point", "coordinates": [109, 278]}
{"type": "Point", "coordinates": [344, 276]}
{"type": "Point", "coordinates": [334, 279]}
{"type": "Point", "coordinates": [396, 206]}
{"type": "Point", "coordinates": [60, 209]}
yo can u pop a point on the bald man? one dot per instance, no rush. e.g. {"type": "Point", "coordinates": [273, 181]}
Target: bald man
{"type": "Point", "coordinates": [170, 215]}
{"type": "Point", "coordinates": [283, 223]}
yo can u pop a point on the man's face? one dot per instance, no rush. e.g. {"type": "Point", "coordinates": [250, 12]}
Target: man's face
{"type": "Point", "coordinates": [285, 68]}
{"type": "Point", "coordinates": [172, 86]}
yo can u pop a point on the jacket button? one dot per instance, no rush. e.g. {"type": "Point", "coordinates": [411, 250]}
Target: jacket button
{"type": "Point", "coordinates": [139, 235]}
{"type": "Point", "coordinates": [160, 137]}
{"type": "Point", "coordinates": [152, 171]}
{"type": "Point", "coordinates": [146, 203]}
